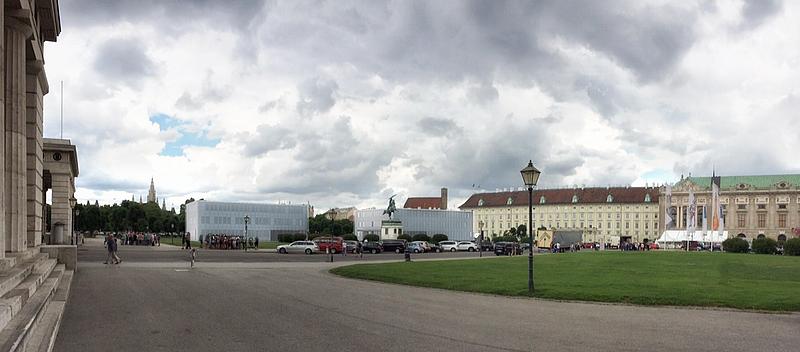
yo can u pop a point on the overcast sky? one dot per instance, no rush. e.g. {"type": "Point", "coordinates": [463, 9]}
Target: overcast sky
{"type": "Point", "coordinates": [344, 103]}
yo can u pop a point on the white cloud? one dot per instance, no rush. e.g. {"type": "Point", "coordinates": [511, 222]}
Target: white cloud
{"type": "Point", "coordinates": [346, 102]}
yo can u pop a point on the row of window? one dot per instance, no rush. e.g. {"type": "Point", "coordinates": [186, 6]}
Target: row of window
{"type": "Point", "coordinates": [543, 200]}
{"type": "Point", "coordinates": [227, 220]}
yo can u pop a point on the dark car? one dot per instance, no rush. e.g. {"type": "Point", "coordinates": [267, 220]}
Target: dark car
{"type": "Point", "coordinates": [372, 247]}
{"type": "Point", "coordinates": [436, 248]}
{"type": "Point", "coordinates": [397, 246]}
{"type": "Point", "coordinates": [486, 246]}
{"type": "Point", "coordinates": [506, 248]}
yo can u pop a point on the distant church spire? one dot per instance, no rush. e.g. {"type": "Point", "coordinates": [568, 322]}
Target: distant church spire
{"type": "Point", "coordinates": [151, 194]}
{"type": "Point", "coordinates": [163, 204]}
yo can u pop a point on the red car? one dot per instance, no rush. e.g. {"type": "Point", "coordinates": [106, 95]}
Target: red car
{"type": "Point", "coordinates": [325, 243]}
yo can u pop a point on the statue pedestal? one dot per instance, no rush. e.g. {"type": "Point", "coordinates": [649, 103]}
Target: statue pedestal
{"type": "Point", "coordinates": [390, 229]}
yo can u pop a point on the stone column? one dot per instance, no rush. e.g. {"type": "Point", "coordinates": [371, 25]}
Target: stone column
{"type": "Point", "coordinates": [61, 211]}
{"type": "Point", "coordinates": [15, 186]}
{"type": "Point", "coordinates": [3, 233]}
{"type": "Point", "coordinates": [35, 167]}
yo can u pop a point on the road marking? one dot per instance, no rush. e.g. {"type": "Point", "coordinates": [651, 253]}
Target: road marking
{"type": "Point", "coordinates": [181, 269]}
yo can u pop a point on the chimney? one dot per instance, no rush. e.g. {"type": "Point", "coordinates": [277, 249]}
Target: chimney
{"type": "Point", "coordinates": [444, 198]}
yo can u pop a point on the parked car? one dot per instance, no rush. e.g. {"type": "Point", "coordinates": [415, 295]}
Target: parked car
{"type": "Point", "coordinates": [397, 246]}
{"type": "Point", "coordinates": [416, 247]}
{"type": "Point", "coordinates": [425, 245]}
{"type": "Point", "coordinates": [436, 248]}
{"type": "Point", "coordinates": [352, 246]}
{"type": "Point", "coordinates": [506, 248]}
{"type": "Point", "coordinates": [449, 246]}
{"type": "Point", "coordinates": [372, 247]}
{"type": "Point", "coordinates": [467, 246]}
{"type": "Point", "coordinates": [324, 243]}
{"type": "Point", "coordinates": [487, 246]}
{"type": "Point", "coordinates": [307, 247]}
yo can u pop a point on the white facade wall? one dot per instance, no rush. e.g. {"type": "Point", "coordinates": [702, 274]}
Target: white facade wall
{"type": "Point", "coordinates": [457, 225]}
{"type": "Point", "coordinates": [267, 221]}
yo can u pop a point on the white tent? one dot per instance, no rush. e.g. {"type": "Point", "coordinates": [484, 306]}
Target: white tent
{"type": "Point", "coordinates": [673, 236]}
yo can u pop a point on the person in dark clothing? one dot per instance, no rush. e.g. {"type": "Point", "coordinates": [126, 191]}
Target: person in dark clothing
{"type": "Point", "coordinates": [256, 242]}
{"type": "Point", "coordinates": [111, 245]}
{"type": "Point", "coordinates": [188, 240]}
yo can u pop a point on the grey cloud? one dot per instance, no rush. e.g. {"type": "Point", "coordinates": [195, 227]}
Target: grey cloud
{"type": "Point", "coordinates": [268, 138]}
{"type": "Point", "coordinates": [331, 161]}
{"type": "Point", "coordinates": [437, 127]}
{"type": "Point", "coordinates": [175, 14]}
{"type": "Point", "coordinates": [482, 94]}
{"type": "Point", "coordinates": [756, 12]}
{"type": "Point", "coordinates": [649, 42]}
{"type": "Point", "coordinates": [316, 95]}
{"type": "Point", "coordinates": [124, 60]}
{"type": "Point", "coordinates": [209, 93]}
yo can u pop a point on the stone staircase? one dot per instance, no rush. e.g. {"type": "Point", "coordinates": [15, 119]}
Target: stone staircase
{"type": "Point", "coordinates": [33, 292]}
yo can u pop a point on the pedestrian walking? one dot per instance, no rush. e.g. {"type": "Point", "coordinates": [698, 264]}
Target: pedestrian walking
{"type": "Point", "coordinates": [344, 248]}
{"type": "Point", "coordinates": [188, 240]}
{"type": "Point", "coordinates": [256, 242]}
{"type": "Point", "coordinates": [111, 246]}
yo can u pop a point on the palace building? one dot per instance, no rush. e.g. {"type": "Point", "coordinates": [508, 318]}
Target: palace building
{"type": "Point", "coordinates": [753, 206]}
{"type": "Point", "coordinates": [602, 214]}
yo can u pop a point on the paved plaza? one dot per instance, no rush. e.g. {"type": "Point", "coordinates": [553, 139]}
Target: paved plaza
{"type": "Point", "coordinates": [154, 302]}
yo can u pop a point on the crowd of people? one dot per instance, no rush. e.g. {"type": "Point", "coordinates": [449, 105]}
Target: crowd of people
{"type": "Point", "coordinates": [221, 241]}
{"type": "Point", "coordinates": [140, 239]}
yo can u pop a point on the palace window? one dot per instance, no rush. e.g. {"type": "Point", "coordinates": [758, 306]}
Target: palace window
{"type": "Point", "coordinates": [781, 206]}
{"type": "Point", "coordinates": [762, 220]}
{"type": "Point", "coordinates": [509, 201]}
{"type": "Point", "coordinates": [575, 198]}
{"type": "Point", "coordinates": [762, 206]}
{"type": "Point", "coordinates": [609, 199]}
{"type": "Point", "coordinates": [542, 200]}
{"type": "Point", "coordinates": [741, 206]}
{"type": "Point", "coordinates": [782, 220]}
{"type": "Point", "coordinates": [480, 202]}
{"type": "Point", "coordinates": [647, 198]}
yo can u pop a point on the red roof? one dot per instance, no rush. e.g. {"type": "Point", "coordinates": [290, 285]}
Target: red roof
{"type": "Point", "coordinates": [423, 203]}
{"type": "Point", "coordinates": [564, 196]}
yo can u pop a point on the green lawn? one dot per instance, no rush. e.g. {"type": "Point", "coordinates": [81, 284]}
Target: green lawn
{"type": "Point", "coordinates": [746, 281]}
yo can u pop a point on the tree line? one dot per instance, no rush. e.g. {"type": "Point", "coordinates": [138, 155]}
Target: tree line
{"type": "Point", "coordinates": [130, 216]}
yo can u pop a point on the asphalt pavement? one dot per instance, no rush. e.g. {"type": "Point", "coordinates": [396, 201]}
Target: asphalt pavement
{"type": "Point", "coordinates": [291, 303]}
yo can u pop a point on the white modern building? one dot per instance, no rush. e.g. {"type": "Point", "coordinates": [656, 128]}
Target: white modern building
{"type": "Point", "coordinates": [266, 221]}
{"type": "Point", "coordinates": [457, 225]}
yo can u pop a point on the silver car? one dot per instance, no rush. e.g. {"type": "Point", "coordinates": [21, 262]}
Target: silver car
{"type": "Point", "coordinates": [307, 247]}
{"type": "Point", "coordinates": [467, 246]}
{"type": "Point", "coordinates": [451, 246]}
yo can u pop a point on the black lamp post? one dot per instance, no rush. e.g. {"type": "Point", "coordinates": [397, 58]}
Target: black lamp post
{"type": "Point", "coordinates": [172, 235]}
{"type": "Point", "coordinates": [530, 175]}
{"type": "Point", "coordinates": [75, 226]}
{"type": "Point", "coordinates": [480, 240]}
{"type": "Point", "coordinates": [246, 221]}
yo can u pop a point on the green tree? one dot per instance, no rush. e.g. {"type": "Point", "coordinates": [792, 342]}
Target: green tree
{"type": "Point", "coordinates": [372, 238]}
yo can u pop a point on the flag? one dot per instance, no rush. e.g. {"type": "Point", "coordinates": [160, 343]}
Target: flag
{"type": "Point", "coordinates": [716, 207]}
{"type": "Point", "coordinates": [705, 220]}
{"type": "Point", "coordinates": [691, 214]}
{"type": "Point", "coordinates": [667, 217]}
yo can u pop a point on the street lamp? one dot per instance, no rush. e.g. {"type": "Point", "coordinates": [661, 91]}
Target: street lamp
{"type": "Point", "coordinates": [246, 221]}
{"type": "Point", "coordinates": [75, 226]}
{"type": "Point", "coordinates": [172, 235]}
{"type": "Point", "coordinates": [331, 215]}
{"type": "Point", "coordinates": [530, 175]}
{"type": "Point", "coordinates": [480, 240]}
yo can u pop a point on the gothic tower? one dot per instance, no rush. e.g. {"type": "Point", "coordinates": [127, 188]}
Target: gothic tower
{"type": "Point", "coordinates": [151, 195]}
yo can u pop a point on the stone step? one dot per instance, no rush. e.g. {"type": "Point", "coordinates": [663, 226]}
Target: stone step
{"type": "Point", "coordinates": [62, 293]}
{"type": "Point", "coordinates": [43, 336]}
{"type": "Point", "coordinates": [9, 279]}
{"type": "Point", "coordinates": [26, 288]}
{"type": "Point", "coordinates": [18, 332]}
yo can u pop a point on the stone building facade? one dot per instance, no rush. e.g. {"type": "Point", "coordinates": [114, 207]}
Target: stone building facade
{"type": "Point", "coordinates": [753, 206]}
{"type": "Point", "coordinates": [27, 24]}
{"type": "Point", "coordinates": [602, 214]}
